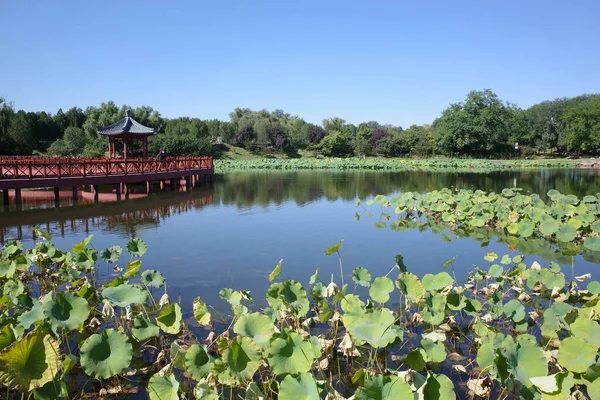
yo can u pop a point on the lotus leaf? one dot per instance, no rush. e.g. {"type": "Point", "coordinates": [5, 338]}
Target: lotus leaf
{"type": "Point", "coordinates": [294, 296]}
{"type": "Point", "coordinates": [361, 276]}
{"type": "Point", "coordinates": [13, 288]}
{"type": "Point", "coordinates": [201, 313]}
{"type": "Point", "coordinates": [302, 388]}
{"type": "Point", "coordinates": [410, 286]}
{"type": "Point", "coordinates": [376, 328]}
{"type": "Point", "coordinates": [435, 351]}
{"type": "Point", "coordinates": [438, 387]}
{"type": "Point", "coordinates": [30, 363]}
{"type": "Point", "coordinates": [530, 361]}
{"type": "Point", "coordinates": [289, 353]}
{"type": "Point", "coordinates": [143, 329]}
{"type": "Point", "coordinates": [36, 313]}
{"type": "Point", "coordinates": [111, 254]}
{"type": "Point", "coordinates": [198, 362]}
{"type": "Point", "coordinates": [495, 271]}
{"type": "Point", "coordinates": [87, 258]}
{"type": "Point", "coordinates": [136, 247]}
{"type": "Point", "coordinates": [205, 392]}
{"type": "Point", "coordinates": [514, 310]}
{"type": "Point", "coordinates": [79, 247]}
{"type": "Point", "coordinates": [231, 296]}
{"type": "Point", "coordinates": [106, 354]}
{"type": "Point", "coordinates": [592, 243]}
{"type": "Point", "coordinates": [381, 288]}
{"type": "Point", "coordinates": [255, 326]}
{"type": "Point", "coordinates": [133, 268]}
{"type": "Point", "coordinates": [242, 358]}
{"type": "Point", "coordinates": [437, 282]}
{"type": "Point", "coordinates": [67, 311]}
{"type": "Point", "coordinates": [379, 387]}
{"type": "Point", "coordinates": [333, 249]}
{"type": "Point", "coordinates": [169, 319]}
{"type": "Point", "coordinates": [586, 329]}
{"type": "Point", "coordinates": [152, 278]}
{"type": "Point", "coordinates": [7, 269]}
{"type": "Point", "coordinates": [124, 295]}
{"type": "Point", "coordinates": [163, 387]}
{"type": "Point", "coordinates": [276, 271]}
{"type": "Point", "coordinates": [594, 287]}
{"type": "Point", "coordinates": [416, 359]}
{"type": "Point", "coordinates": [486, 358]}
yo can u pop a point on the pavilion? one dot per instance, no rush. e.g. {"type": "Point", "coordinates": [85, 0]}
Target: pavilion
{"type": "Point", "coordinates": [128, 130]}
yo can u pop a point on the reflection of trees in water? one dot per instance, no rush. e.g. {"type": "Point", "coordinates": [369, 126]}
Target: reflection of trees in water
{"type": "Point", "coordinates": [276, 187]}
{"type": "Point", "coordinates": [128, 223]}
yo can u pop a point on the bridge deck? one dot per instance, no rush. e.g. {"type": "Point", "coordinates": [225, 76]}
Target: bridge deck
{"type": "Point", "coordinates": [38, 172]}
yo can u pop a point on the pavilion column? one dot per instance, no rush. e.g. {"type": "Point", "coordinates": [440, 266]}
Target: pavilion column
{"type": "Point", "coordinates": [125, 147]}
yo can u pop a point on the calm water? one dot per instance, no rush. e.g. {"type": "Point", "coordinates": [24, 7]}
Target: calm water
{"type": "Point", "coordinates": [233, 233]}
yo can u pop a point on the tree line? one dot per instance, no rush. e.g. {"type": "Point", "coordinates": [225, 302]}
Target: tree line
{"type": "Point", "coordinates": [480, 126]}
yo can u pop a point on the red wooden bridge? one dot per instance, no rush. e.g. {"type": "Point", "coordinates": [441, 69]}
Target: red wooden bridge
{"type": "Point", "coordinates": [29, 172]}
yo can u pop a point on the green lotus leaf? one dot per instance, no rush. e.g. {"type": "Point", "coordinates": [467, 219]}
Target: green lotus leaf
{"type": "Point", "coordinates": [136, 247]}
{"type": "Point", "coordinates": [30, 363]}
{"type": "Point", "coordinates": [302, 388]}
{"type": "Point", "coordinates": [437, 282]}
{"type": "Point", "coordinates": [380, 199]}
{"type": "Point", "coordinates": [8, 334]}
{"type": "Point", "coordinates": [7, 269]}
{"type": "Point", "coordinates": [549, 227]}
{"type": "Point", "coordinates": [87, 258]}
{"type": "Point", "coordinates": [242, 358]}
{"type": "Point", "coordinates": [530, 361]}
{"type": "Point", "coordinates": [201, 313]}
{"type": "Point", "coordinates": [36, 313]}
{"type": "Point", "coordinates": [514, 310]}
{"type": "Point", "coordinates": [361, 276]}
{"type": "Point", "coordinates": [593, 389]}
{"type": "Point", "coordinates": [333, 249]}
{"type": "Point", "coordinates": [435, 351]}
{"type": "Point", "coordinates": [550, 384]}
{"type": "Point", "coordinates": [586, 329]}
{"type": "Point", "coordinates": [105, 354]}
{"type": "Point", "coordinates": [486, 358]}
{"type": "Point", "coordinates": [410, 286]}
{"type": "Point", "coordinates": [257, 327]}
{"type": "Point", "coordinates": [276, 271]}
{"type": "Point", "coordinates": [575, 354]}
{"type": "Point", "coordinates": [438, 387]}
{"type": "Point", "coordinates": [592, 243]}
{"type": "Point", "coordinates": [231, 296]}
{"type": "Point", "coordinates": [53, 390]}
{"type": "Point", "coordinates": [289, 353]}
{"type": "Point", "coordinates": [124, 295]}
{"type": "Point", "coordinates": [595, 227]}
{"type": "Point", "coordinates": [111, 254]}
{"type": "Point", "coordinates": [381, 288]}
{"type": "Point", "coordinates": [133, 268]}
{"type": "Point", "coordinates": [593, 287]}
{"type": "Point", "coordinates": [376, 328]}
{"type": "Point", "coordinates": [379, 387]}
{"type": "Point", "coordinates": [205, 392]}
{"type": "Point", "coordinates": [169, 319]}
{"type": "Point", "coordinates": [513, 228]}
{"type": "Point", "coordinates": [566, 233]}
{"type": "Point", "coordinates": [163, 387]}
{"type": "Point", "coordinates": [526, 228]}
{"type": "Point", "coordinates": [143, 329]}
{"type": "Point", "coordinates": [415, 359]}
{"type": "Point", "coordinates": [13, 288]}
{"type": "Point", "coordinates": [198, 362]}
{"type": "Point", "coordinates": [495, 271]}
{"type": "Point", "coordinates": [294, 296]}
{"type": "Point", "coordinates": [353, 309]}
{"type": "Point", "coordinates": [152, 278]}
{"type": "Point", "coordinates": [67, 311]}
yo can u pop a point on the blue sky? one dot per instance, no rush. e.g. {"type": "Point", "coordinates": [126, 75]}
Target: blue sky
{"type": "Point", "coordinates": [398, 62]}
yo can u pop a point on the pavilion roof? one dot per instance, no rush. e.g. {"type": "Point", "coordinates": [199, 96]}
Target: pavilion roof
{"type": "Point", "coordinates": [126, 125]}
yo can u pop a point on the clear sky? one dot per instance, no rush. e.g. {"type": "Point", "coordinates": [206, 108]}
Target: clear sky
{"type": "Point", "coordinates": [398, 62]}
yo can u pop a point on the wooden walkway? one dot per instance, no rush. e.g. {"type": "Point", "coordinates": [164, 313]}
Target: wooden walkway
{"type": "Point", "coordinates": [18, 173]}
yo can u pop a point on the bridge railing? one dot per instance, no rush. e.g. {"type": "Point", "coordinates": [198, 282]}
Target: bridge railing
{"type": "Point", "coordinates": [44, 167]}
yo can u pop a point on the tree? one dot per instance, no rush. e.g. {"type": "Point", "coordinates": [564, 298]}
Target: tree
{"type": "Point", "coordinates": [581, 124]}
{"type": "Point", "coordinates": [277, 137]}
{"type": "Point", "coordinates": [74, 140]}
{"type": "Point", "coordinates": [21, 132]}
{"type": "Point", "coordinates": [334, 124]}
{"type": "Point", "coordinates": [479, 126]}
{"type": "Point", "coordinates": [245, 136]}
{"type": "Point", "coordinates": [376, 135]}
{"type": "Point", "coordinates": [336, 144]}
{"type": "Point", "coordinates": [315, 133]}
{"type": "Point", "coordinates": [543, 123]}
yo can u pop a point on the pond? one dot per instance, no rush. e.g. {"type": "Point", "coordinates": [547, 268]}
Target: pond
{"type": "Point", "coordinates": [233, 233]}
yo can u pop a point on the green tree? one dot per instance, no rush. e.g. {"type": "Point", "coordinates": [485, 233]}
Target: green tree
{"type": "Point", "coordinates": [334, 124]}
{"type": "Point", "coordinates": [75, 140]}
{"type": "Point", "coordinates": [336, 144]}
{"type": "Point", "coordinates": [21, 132]}
{"type": "Point", "coordinates": [543, 121]}
{"type": "Point", "coordinates": [478, 126]}
{"type": "Point", "coordinates": [581, 124]}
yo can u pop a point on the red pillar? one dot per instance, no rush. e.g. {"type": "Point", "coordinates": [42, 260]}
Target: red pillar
{"type": "Point", "coordinates": [125, 147]}
{"type": "Point", "coordinates": [145, 146]}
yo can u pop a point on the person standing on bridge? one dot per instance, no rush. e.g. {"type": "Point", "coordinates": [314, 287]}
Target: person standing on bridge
{"type": "Point", "coordinates": [162, 156]}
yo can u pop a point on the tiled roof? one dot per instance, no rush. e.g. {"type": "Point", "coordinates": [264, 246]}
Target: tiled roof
{"type": "Point", "coordinates": [126, 125]}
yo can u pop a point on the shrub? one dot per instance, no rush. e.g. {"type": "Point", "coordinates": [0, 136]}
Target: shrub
{"type": "Point", "coordinates": [336, 144]}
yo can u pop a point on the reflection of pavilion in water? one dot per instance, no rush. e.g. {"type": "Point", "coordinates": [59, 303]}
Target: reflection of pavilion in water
{"type": "Point", "coordinates": [128, 217]}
